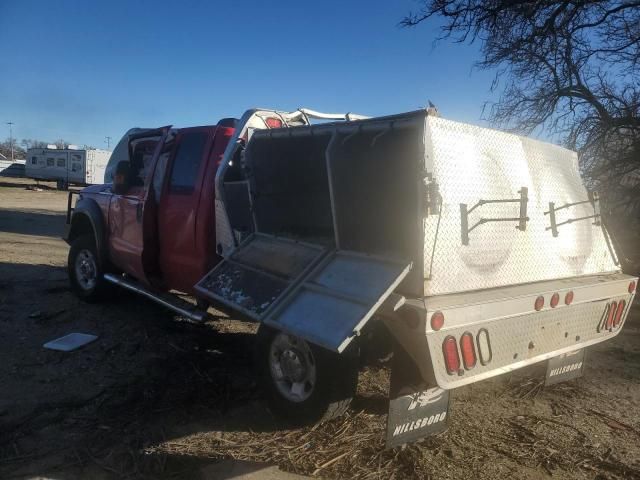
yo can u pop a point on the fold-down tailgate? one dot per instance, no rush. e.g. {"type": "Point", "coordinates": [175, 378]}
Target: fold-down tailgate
{"type": "Point", "coordinates": [320, 294]}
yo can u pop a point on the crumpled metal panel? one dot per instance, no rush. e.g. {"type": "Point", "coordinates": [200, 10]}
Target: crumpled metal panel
{"type": "Point", "coordinates": [224, 235]}
{"type": "Point", "coordinates": [332, 304]}
{"type": "Point", "coordinates": [470, 163]}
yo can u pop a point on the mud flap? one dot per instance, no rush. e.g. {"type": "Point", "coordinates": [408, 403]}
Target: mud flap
{"type": "Point", "coordinates": [565, 367]}
{"type": "Point", "coordinates": [415, 410]}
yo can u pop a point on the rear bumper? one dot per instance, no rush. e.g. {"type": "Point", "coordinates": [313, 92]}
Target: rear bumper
{"type": "Point", "coordinates": [508, 333]}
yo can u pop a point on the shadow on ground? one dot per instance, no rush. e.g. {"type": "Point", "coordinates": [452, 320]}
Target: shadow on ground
{"type": "Point", "coordinates": [39, 223]}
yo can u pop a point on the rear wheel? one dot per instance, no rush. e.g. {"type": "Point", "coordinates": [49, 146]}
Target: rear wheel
{"type": "Point", "coordinates": [304, 383]}
{"type": "Point", "coordinates": [84, 269]}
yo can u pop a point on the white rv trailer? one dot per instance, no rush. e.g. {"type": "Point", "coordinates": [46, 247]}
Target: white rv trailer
{"type": "Point", "coordinates": [67, 166]}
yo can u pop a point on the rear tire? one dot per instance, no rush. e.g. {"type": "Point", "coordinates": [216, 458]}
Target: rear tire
{"type": "Point", "coordinates": [304, 383]}
{"type": "Point", "coordinates": [85, 272]}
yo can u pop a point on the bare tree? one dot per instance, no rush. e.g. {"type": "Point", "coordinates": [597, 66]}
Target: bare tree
{"type": "Point", "coordinates": [570, 68]}
{"type": "Point", "coordinates": [28, 143]}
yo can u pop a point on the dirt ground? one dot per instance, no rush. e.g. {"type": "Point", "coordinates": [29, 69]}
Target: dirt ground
{"type": "Point", "coordinates": [157, 397]}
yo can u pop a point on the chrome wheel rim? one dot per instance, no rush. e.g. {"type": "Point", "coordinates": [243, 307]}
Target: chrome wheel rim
{"type": "Point", "coordinates": [293, 367]}
{"type": "Point", "coordinates": [86, 269]}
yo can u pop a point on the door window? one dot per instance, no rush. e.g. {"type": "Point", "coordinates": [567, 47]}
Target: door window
{"type": "Point", "coordinates": [187, 162]}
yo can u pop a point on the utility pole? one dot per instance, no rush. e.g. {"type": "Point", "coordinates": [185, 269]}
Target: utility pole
{"type": "Point", "coordinates": [11, 138]}
{"type": "Point", "coordinates": [108, 140]}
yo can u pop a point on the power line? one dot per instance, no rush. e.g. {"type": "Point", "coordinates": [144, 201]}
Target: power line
{"type": "Point", "coordinates": [11, 124]}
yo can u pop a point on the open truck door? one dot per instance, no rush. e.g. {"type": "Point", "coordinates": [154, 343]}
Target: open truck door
{"type": "Point", "coordinates": [317, 293]}
{"type": "Point", "coordinates": [312, 301]}
{"type": "Point", "coordinates": [132, 207]}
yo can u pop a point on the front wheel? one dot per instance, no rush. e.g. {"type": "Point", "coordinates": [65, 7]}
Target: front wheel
{"type": "Point", "coordinates": [84, 269]}
{"type": "Point", "coordinates": [304, 383]}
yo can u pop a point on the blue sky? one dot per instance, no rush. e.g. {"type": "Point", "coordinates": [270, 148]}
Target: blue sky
{"type": "Point", "coordinates": [82, 70]}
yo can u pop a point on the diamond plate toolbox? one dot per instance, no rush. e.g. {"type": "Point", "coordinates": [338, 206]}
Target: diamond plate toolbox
{"type": "Point", "coordinates": [472, 165]}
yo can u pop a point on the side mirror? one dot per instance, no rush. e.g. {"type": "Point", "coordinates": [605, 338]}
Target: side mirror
{"type": "Point", "coordinates": [121, 177]}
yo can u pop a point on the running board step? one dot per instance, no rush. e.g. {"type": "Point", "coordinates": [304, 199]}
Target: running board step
{"type": "Point", "coordinates": [178, 306]}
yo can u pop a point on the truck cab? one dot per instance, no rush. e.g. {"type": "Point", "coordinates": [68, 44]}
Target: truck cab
{"type": "Point", "coordinates": [173, 202]}
{"type": "Point", "coordinates": [154, 219]}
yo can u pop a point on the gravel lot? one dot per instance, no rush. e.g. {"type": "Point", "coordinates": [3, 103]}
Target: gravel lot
{"type": "Point", "coordinates": [157, 397]}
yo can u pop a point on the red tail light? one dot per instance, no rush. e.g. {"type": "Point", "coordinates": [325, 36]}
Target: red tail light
{"type": "Point", "coordinates": [539, 303]}
{"type": "Point", "coordinates": [602, 324]}
{"type": "Point", "coordinates": [611, 315]}
{"type": "Point", "coordinates": [554, 300]}
{"type": "Point", "coordinates": [468, 350]}
{"type": "Point", "coordinates": [616, 321]}
{"type": "Point", "coordinates": [273, 122]}
{"type": "Point", "coordinates": [437, 320]}
{"type": "Point", "coordinates": [632, 287]}
{"type": "Point", "coordinates": [451, 358]}
{"type": "Point", "coordinates": [568, 298]}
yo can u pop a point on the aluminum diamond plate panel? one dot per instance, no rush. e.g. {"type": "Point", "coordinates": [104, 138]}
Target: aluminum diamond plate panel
{"type": "Point", "coordinates": [224, 235]}
{"type": "Point", "coordinates": [470, 164]}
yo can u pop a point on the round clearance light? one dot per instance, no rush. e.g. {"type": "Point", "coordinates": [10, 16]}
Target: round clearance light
{"type": "Point", "coordinates": [539, 303]}
{"type": "Point", "coordinates": [437, 320]}
{"type": "Point", "coordinates": [555, 298]}
{"type": "Point", "coordinates": [568, 298]}
{"type": "Point", "coordinates": [632, 286]}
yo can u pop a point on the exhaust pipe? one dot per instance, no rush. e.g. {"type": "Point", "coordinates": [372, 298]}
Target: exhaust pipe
{"type": "Point", "coordinates": [135, 287]}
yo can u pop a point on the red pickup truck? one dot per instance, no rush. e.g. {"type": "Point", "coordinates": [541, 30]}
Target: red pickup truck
{"type": "Point", "coordinates": [478, 252]}
{"type": "Point", "coordinates": [151, 228]}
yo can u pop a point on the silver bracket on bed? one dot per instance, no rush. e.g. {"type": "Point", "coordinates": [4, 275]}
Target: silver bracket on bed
{"type": "Point", "coordinates": [594, 200]}
{"type": "Point", "coordinates": [522, 219]}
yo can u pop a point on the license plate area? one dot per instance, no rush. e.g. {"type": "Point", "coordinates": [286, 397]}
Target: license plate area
{"type": "Point", "coordinates": [567, 366]}
{"type": "Point", "coordinates": [522, 340]}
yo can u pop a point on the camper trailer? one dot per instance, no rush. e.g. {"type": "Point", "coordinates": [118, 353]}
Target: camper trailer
{"type": "Point", "coordinates": [67, 166]}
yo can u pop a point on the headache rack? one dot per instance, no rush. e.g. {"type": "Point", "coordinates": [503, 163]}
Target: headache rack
{"type": "Point", "coordinates": [522, 219]}
{"type": "Point", "coordinates": [593, 200]}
